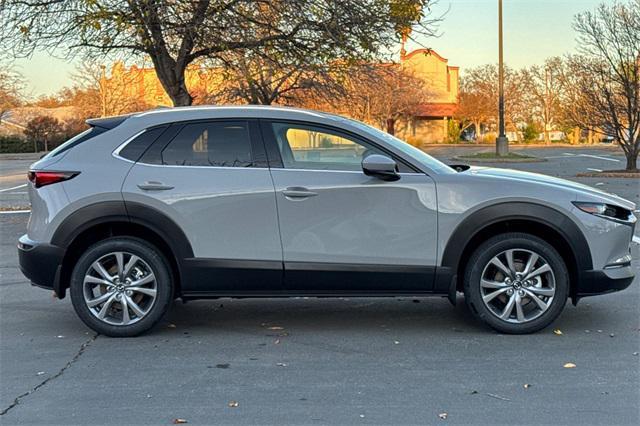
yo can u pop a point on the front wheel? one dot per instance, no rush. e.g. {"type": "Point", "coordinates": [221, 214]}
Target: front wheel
{"type": "Point", "coordinates": [516, 283]}
{"type": "Point", "coordinates": [121, 287]}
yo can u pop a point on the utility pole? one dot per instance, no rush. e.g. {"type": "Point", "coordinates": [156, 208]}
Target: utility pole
{"type": "Point", "coordinates": [502, 143]}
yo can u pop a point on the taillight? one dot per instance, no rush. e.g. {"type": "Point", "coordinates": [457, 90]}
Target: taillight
{"type": "Point", "coordinates": [47, 178]}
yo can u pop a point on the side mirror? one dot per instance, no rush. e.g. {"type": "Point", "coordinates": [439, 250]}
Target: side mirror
{"type": "Point", "coordinates": [381, 167]}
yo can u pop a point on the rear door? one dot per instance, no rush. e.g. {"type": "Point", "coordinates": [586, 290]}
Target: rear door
{"type": "Point", "coordinates": [212, 180]}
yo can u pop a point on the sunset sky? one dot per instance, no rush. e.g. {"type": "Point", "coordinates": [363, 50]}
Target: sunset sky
{"type": "Point", "coordinates": [534, 30]}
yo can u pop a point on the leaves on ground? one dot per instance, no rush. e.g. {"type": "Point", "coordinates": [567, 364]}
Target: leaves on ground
{"type": "Point", "coordinates": [526, 386]}
{"type": "Point", "coordinates": [171, 326]}
{"type": "Point", "coordinates": [557, 331]}
{"type": "Point", "coordinates": [275, 327]}
{"type": "Point", "coordinates": [233, 404]}
{"type": "Point", "coordinates": [569, 365]}
{"type": "Point", "coordinates": [180, 421]}
{"type": "Point", "coordinates": [443, 416]}
{"type": "Point", "coordinates": [281, 364]}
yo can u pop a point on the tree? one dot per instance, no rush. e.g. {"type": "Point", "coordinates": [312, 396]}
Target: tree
{"type": "Point", "coordinates": [479, 97]}
{"type": "Point", "coordinates": [544, 91]}
{"type": "Point", "coordinates": [382, 94]}
{"type": "Point", "coordinates": [11, 86]}
{"type": "Point", "coordinates": [605, 76]}
{"type": "Point", "coordinates": [175, 34]}
{"type": "Point", "coordinates": [43, 129]}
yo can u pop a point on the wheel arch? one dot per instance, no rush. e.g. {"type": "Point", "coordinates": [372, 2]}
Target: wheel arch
{"type": "Point", "coordinates": [103, 220]}
{"type": "Point", "coordinates": [542, 221]}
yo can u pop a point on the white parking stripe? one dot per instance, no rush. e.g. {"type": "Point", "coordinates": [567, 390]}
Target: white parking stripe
{"type": "Point", "coordinates": [599, 158]}
{"type": "Point", "coordinates": [15, 211]}
{"type": "Point", "coordinates": [15, 187]}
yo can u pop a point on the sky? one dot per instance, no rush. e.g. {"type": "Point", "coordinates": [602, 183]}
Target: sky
{"type": "Point", "coordinates": [533, 30]}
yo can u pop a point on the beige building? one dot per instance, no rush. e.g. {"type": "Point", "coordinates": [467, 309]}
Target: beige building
{"type": "Point", "coordinates": [431, 122]}
{"type": "Point", "coordinates": [139, 87]}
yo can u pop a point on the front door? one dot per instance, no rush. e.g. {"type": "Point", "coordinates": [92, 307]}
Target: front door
{"type": "Point", "coordinates": [205, 176]}
{"type": "Point", "coordinates": [343, 231]}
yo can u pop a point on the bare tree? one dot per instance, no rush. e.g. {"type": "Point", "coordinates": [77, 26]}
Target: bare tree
{"type": "Point", "coordinates": [175, 34]}
{"type": "Point", "coordinates": [604, 78]}
{"type": "Point", "coordinates": [11, 86]}
{"type": "Point", "coordinates": [42, 130]}
{"type": "Point", "coordinates": [479, 96]}
{"type": "Point", "coordinates": [544, 92]}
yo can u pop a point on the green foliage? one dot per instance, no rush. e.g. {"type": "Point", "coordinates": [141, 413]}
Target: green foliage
{"type": "Point", "coordinates": [530, 133]}
{"type": "Point", "coordinates": [12, 144]}
{"type": "Point", "coordinates": [453, 131]}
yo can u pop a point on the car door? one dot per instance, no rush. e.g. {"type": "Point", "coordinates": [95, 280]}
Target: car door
{"type": "Point", "coordinates": [211, 179]}
{"type": "Point", "coordinates": [343, 231]}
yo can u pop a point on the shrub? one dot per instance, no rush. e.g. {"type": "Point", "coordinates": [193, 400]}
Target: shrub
{"type": "Point", "coordinates": [12, 144]}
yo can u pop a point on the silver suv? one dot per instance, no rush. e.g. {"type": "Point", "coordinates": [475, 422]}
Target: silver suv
{"type": "Point", "coordinates": [209, 202]}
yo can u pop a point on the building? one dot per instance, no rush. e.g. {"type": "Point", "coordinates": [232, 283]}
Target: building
{"type": "Point", "coordinates": [431, 122]}
{"type": "Point", "coordinates": [140, 88]}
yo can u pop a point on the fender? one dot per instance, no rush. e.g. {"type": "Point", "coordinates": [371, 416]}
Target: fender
{"type": "Point", "coordinates": [117, 211]}
{"type": "Point", "coordinates": [544, 215]}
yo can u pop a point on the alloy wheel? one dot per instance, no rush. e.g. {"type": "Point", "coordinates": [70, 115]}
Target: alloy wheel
{"type": "Point", "coordinates": [517, 285]}
{"type": "Point", "coordinates": [119, 288]}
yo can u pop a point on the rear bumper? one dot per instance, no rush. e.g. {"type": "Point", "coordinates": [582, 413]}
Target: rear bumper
{"type": "Point", "coordinates": [41, 263]}
{"type": "Point", "coordinates": [604, 281]}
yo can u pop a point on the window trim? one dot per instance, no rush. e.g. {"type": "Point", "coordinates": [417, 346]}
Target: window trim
{"type": "Point", "coordinates": [275, 156]}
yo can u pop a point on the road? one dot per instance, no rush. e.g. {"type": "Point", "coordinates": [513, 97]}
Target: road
{"type": "Point", "coordinates": [320, 361]}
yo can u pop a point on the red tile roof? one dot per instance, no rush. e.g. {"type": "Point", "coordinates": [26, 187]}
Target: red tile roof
{"type": "Point", "coordinates": [436, 110]}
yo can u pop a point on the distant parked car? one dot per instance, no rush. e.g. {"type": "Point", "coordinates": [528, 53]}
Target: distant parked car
{"type": "Point", "coordinates": [210, 202]}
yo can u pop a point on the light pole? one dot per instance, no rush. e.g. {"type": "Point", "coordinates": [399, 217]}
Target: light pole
{"type": "Point", "coordinates": [502, 143]}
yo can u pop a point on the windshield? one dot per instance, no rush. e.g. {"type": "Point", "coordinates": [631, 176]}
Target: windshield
{"type": "Point", "coordinates": [424, 158]}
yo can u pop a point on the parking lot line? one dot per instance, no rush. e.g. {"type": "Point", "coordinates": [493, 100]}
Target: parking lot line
{"type": "Point", "coordinates": [15, 211]}
{"type": "Point", "coordinates": [15, 187]}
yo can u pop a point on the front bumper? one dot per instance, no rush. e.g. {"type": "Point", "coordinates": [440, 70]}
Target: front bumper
{"type": "Point", "coordinates": [592, 283]}
{"type": "Point", "coordinates": [41, 263]}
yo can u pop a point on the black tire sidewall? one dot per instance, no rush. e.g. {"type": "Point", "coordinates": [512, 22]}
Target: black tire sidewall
{"type": "Point", "coordinates": [149, 254]}
{"type": "Point", "coordinates": [496, 245]}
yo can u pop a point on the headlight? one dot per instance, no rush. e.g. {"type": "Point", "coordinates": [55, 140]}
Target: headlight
{"type": "Point", "coordinates": [607, 211]}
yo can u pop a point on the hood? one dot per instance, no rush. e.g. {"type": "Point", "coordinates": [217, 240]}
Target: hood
{"type": "Point", "coordinates": [578, 188]}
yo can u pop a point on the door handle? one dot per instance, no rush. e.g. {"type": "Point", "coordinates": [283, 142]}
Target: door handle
{"type": "Point", "coordinates": [298, 192]}
{"type": "Point", "coordinates": [154, 186]}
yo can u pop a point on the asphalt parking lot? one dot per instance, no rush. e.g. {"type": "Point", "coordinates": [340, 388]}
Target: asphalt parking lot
{"type": "Point", "coordinates": [320, 361]}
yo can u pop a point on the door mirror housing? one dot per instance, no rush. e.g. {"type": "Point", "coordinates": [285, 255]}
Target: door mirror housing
{"type": "Point", "coordinates": [381, 167]}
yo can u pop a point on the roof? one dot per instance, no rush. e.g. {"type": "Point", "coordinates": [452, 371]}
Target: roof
{"type": "Point", "coordinates": [436, 110]}
{"type": "Point", "coordinates": [430, 52]}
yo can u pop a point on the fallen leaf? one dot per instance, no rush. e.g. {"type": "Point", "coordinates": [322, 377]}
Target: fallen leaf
{"type": "Point", "coordinates": [526, 386]}
{"type": "Point", "coordinates": [443, 416]}
{"type": "Point", "coordinates": [179, 421]}
{"type": "Point", "coordinates": [40, 373]}
{"type": "Point", "coordinates": [473, 392]}
{"type": "Point", "coordinates": [223, 366]}
{"type": "Point", "coordinates": [60, 337]}
{"type": "Point", "coordinates": [557, 331]}
{"type": "Point", "coordinates": [277, 342]}
{"type": "Point", "coordinates": [148, 396]}
{"type": "Point", "coordinates": [569, 365]}
{"type": "Point", "coordinates": [635, 354]}
{"type": "Point", "coordinates": [612, 335]}
{"type": "Point", "coordinates": [171, 326]}
{"type": "Point", "coordinates": [395, 342]}
{"type": "Point", "coordinates": [362, 416]}
{"type": "Point", "coordinates": [233, 404]}
{"type": "Point", "coordinates": [275, 328]}
{"type": "Point", "coordinates": [281, 364]}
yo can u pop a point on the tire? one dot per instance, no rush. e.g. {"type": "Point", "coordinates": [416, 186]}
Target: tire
{"type": "Point", "coordinates": [501, 293]}
{"type": "Point", "coordinates": [140, 280]}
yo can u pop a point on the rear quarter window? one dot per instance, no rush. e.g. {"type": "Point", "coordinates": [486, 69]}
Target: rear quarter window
{"type": "Point", "coordinates": [139, 145]}
{"type": "Point", "coordinates": [76, 140]}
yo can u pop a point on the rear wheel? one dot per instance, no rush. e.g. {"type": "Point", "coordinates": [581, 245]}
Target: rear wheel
{"type": "Point", "coordinates": [121, 287]}
{"type": "Point", "coordinates": [516, 283]}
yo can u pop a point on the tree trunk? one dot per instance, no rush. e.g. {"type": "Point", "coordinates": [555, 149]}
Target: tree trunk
{"type": "Point", "coordinates": [180, 96]}
{"type": "Point", "coordinates": [632, 159]}
{"type": "Point", "coordinates": [391, 126]}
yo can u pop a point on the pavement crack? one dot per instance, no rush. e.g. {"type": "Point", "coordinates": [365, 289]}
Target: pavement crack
{"type": "Point", "coordinates": [78, 354]}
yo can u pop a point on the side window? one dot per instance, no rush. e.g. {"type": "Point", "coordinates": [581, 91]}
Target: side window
{"type": "Point", "coordinates": [307, 147]}
{"type": "Point", "coordinates": [134, 149]}
{"type": "Point", "coordinates": [221, 144]}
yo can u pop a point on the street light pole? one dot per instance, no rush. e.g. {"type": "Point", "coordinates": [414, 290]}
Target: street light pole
{"type": "Point", "coordinates": [502, 143]}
